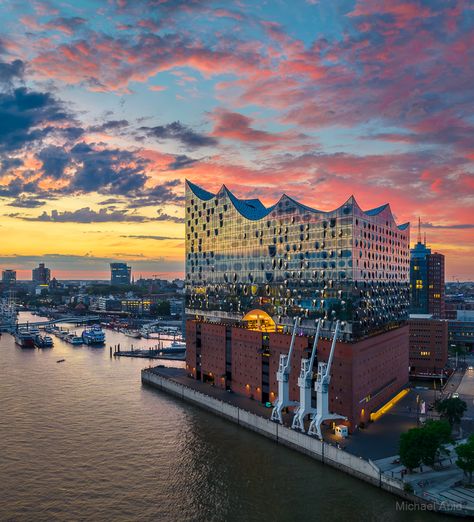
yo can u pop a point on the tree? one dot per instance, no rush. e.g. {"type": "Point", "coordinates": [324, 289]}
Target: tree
{"type": "Point", "coordinates": [465, 454]}
{"type": "Point", "coordinates": [411, 448]}
{"type": "Point", "coordinates": [434, 434]}
{"type": "Point", "coordinates": [451, 409]}
{"type": "Point", "coordinates": [424, 445]}
{"type": "Point", "coordinates": [160, 308]}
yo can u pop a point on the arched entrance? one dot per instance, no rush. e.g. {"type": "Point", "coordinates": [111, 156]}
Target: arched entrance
{"type": "Point", "coordinates": [259, 320]}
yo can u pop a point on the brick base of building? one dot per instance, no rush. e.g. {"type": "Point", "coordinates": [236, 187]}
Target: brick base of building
{"type": "Point", "coordinates": [364, 375]}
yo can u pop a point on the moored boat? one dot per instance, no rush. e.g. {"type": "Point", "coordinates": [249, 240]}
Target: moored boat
{"type": "Point", "coordinates": [43, 342]}
{"type": "Point", "coordinates": [132, 333]}
{"type": "Point", "coordinates": [74, 339]}
{"type": "Point", "coordinates": [24, 339]}
{"type": "Point", "coordinates": [93, 335]}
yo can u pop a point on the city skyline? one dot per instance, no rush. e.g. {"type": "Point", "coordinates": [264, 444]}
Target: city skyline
{"type": "Point", "coordinates": [106, 111]}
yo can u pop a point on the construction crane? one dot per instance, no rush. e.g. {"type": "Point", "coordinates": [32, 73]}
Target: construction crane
{"type": "Point", "coordinates": [304, 382]}
{"type": "Point", "coordinates": [322, 391]}
{"type": "Point", "coordinates": [283, 375]}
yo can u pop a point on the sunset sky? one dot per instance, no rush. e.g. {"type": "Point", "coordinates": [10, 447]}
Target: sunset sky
{"type": "Point", "coordinates": [106, 107]}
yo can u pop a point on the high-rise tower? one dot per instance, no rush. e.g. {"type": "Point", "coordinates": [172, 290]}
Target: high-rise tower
{"type": "Point", "coordinates": [427, 288]}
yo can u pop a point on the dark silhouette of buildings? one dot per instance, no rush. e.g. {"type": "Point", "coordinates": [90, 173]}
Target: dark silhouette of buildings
{"type": "Point", "coordinates": [41, 275]}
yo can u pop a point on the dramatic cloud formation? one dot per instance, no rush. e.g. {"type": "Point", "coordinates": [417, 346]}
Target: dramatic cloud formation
{"type": "Point", "coordinates": [115, 104]}
{"type": "Point", "coordinates": [11, 71]}
{"type": "Point", "coordinates": [87, 215]}
{"type": "Point", "coordinates": [27, 116]}
{"type": "Point", "coordinates": [25, 202]}
{"type": "Point", "coordinates": [181, 161]}
{"type": "Point", "coordinates": [182, 133]}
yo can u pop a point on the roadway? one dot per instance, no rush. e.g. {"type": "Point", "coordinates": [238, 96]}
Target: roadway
{"type": "Point", "coordinates": [466, 393]}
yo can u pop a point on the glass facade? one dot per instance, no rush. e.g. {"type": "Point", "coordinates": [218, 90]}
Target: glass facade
{"type": "Point", "coordinates": [419, 279]}
{"type": "Point", "coordinates": [291, 260]}
{"type": "Point", "coordinates": [120, 274]}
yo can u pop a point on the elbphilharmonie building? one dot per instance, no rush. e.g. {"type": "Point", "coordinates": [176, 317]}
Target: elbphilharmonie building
{"type": "Point", "coordinates": [252, 270]}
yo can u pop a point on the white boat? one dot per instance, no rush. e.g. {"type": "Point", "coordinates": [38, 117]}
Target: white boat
{"type": "Point", "coordinates": [73, 339]}
{"type": "Point", "coordinates": [132, 333]}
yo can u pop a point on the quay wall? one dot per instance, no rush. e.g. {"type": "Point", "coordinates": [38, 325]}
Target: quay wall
{"type": "Point", "coordinates": [323, 452]}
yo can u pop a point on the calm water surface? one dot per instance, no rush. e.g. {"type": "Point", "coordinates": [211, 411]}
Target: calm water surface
{"type": "Point", "coordinates": [83, 440]}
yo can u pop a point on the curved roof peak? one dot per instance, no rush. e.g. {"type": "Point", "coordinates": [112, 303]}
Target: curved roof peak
{"type": "Point", "coordinates": [377, 210]}
{"type": "Point", "coordinates": [199, 192]}
{"type": "Point", "coordinates": [254, 209]}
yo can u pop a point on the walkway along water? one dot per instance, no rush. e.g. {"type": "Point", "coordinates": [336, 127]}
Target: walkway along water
{"type": "Point", "coordinates": [366, 470]}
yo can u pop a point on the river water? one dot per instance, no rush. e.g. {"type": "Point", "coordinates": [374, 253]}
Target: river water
{"type": "Point", "coordinates": [84, 440]}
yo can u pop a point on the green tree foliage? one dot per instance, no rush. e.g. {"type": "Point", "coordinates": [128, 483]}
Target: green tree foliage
{"type": "Point", "coordinates": [161, 308]}
{"type": "Point", "coordinates": [434, 435]}
{"type": "Point", "coordinates": [424, 445]}
{"type": "Point", "coordinates": [465, 454]}
{"type": "Point", "coordinates": [451, 409]}
{"type": "Point", "coordinates": [411, 449]}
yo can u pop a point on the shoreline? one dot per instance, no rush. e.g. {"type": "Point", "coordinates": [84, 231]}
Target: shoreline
{"type": "Point", "coordinates": [321, 451]}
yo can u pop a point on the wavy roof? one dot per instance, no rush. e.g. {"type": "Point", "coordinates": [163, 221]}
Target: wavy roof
{"type": "Point", "coordinates": [254, 209]}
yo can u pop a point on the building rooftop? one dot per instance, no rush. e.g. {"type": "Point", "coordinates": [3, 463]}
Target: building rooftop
{"type": "Point", "coordinates": [254, 209]}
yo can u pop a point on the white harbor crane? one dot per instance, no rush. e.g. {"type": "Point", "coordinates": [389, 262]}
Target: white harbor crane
{"type": "Point", "coordinates": [283, 375]}
{"type": "Point", "coordinates": [304, 382]}
{"type": "Point", "coordinates": [322, 392]}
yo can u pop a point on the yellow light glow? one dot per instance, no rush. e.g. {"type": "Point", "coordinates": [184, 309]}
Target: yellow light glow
{"type": "Point", "coordinates": [377, 414]}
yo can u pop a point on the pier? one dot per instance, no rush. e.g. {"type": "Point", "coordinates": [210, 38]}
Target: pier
{"type": "Point", "coordinates": [158, 352]}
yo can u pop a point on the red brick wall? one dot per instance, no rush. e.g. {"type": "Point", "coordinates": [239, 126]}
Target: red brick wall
{"type": "Point", "coordinates": [340, 387]}
{"type": "Point", "coordinates": [247, 363]}
{"type": "Point", "coordinates": [191, 347]}
{"type": "Point", "coordinates": [428, 336]}
{"type": "Point", "coordinates": [364, 375]}
{"type": "Point", "coordinates": [377, 361]}
{"type": "Point", "coordinates": [213, 352]}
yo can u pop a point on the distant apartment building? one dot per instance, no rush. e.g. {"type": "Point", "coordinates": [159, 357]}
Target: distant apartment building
{"type": "Point", "coordinates": [8, 279]}
{"type": "Point", "coordinates": [136, 305]}
{"type": "Point", "coordinates": [176, 307]}
{"type": "Point", "coordinates": [461, 330]}
{"type": "Point", "coordinates": [120, 274]}
{"type": "Point", "coordinates": [436, 286]}
{"type": "Point", "coordinates": [41, 275]}
{"type": "Point", "coordinates": [427, 286]}
{"type": "Point", "coordinates": [428, 345]}
{"type": "Point", "coordinates": [179, 283]}
{"type": "Point", "coordinates": [109, 304]}
{"type": "Point", "coordinates": [456, 304]}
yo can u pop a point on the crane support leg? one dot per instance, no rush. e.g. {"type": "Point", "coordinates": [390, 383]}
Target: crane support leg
{"type": "Point", "coordinates": [283, 376]}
